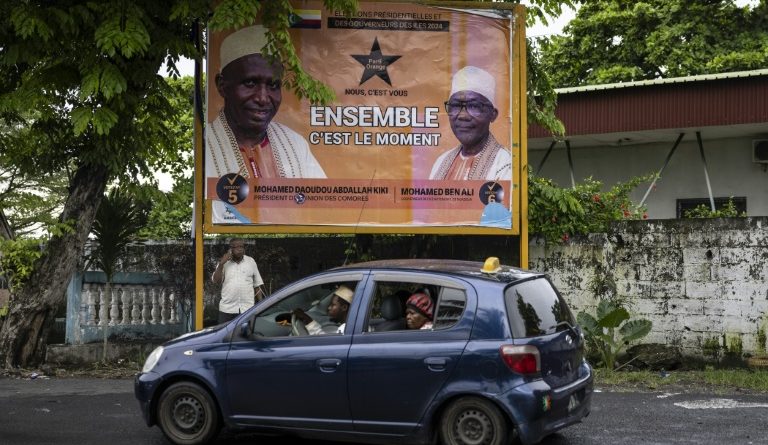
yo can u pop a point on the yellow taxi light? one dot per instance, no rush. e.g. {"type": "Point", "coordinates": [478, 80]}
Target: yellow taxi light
{"type": "Point", "coordinates": [491, 265]}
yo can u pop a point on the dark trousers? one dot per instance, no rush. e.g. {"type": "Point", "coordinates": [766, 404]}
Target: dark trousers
{"type": "Point", "coordinates": [225, 317]}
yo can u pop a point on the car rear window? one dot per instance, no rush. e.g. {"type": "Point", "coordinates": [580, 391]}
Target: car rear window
{"type": "Point", "coordinates": [536, 308]}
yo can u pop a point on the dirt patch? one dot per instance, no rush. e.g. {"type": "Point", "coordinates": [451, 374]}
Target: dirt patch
{"type": "Point", "coordinates": [120, 369]}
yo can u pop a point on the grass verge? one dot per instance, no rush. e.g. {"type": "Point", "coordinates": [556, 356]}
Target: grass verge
{"type": "Point", "coordinates": [717, 380]}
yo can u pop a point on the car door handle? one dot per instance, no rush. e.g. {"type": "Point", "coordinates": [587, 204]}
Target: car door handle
{"type": "Point", "coordinates": [328, 364]}
{"type": "Point", "coordinates": [436, 363]}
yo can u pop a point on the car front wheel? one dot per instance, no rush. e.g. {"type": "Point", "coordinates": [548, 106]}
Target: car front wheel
{"type": "Point", "coordinates": [187, 414]}
{"type": "Point", "coordinates": [473, 421]}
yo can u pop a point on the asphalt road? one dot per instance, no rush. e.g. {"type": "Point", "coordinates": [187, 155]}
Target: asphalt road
{"type": "Point", "coordinates": [97, 411]}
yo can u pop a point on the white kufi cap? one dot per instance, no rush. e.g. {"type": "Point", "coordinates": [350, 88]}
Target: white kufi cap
{"type": "Point", "coordinates": [243, 42]}
{"type": "Point", "coordinates": [477, 80]}
{"type": "Point", "coordinates": [344, 293]}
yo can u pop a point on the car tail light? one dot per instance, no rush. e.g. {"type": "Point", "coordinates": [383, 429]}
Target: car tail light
{"type": "Point", "coordinates": [523, 359]}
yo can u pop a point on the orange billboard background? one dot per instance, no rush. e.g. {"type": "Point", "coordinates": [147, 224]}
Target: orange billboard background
{"type": "Point", "coordinates": [430, 44]}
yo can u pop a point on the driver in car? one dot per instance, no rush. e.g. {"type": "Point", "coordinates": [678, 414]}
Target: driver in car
{"type": "Point", "coordinates": [337, 312]}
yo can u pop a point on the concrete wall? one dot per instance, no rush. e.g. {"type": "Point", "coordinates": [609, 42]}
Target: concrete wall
{"type": "Point", "coordinates": [730, 167]}
{"type": "Point", "coordinates": [696, 280]}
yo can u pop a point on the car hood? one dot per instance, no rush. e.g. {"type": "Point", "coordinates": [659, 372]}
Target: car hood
{"type": "Point", "coordinates": [211, 334]}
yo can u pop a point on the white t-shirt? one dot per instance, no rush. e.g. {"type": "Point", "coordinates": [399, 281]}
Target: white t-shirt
{"type": "Point", "coordinates": [315, 328]}
{"type": "Point", "coordinates": [237, 293]}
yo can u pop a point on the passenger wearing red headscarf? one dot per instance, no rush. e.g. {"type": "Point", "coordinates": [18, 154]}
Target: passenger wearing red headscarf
{"type": "Point", "coordinates": [419, 311]}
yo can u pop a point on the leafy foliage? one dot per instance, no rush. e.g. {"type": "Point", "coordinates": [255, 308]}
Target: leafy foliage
{"type": "Point", "coordinates": [611, 330]}
{"type": "Point", "coordinates": [275, 16]}
{"type": "Point", "coordinates": [79, 79]}
{"type": "Point", "coordinates": [30, 201]}
{"type": "Point", "coordinates": [171, 214]}
{"type": "Point", "coordinates": [618, 41]}
{"type": "Point", "coordinates": [119, 219]}
{"type": "Point", "coordinates": [542, 99]}
{"type": "Point", "coordinates": [728, 210]}
{"type": "Point", "coordinates": [558, 213]}
{"type": "Point", "coordinates": [17, 259]}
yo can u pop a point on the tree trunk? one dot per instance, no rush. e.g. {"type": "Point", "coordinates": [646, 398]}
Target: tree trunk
{"type": "Point", "coordinates": [32, 310]}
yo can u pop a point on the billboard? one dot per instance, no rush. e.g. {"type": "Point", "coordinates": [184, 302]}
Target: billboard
{"type": "Point", "coordinates": [420, 133]}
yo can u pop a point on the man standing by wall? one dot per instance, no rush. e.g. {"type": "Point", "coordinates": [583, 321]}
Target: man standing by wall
{"type": "Point", "coordinates": [240, 279]}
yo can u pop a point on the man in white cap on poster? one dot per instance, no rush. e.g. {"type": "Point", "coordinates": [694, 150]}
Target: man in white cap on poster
{"type": "Point", "coordinates": [471, 108]}
{"type": "Point", "coordinates": [243, 139]}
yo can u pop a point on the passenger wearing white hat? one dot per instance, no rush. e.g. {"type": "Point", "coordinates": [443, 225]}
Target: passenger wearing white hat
{"type": "Point", "coordinates": [471, 108]}
{"type": "Point", "coordinates": [243, 138]}
{"type": "Point", "coordinates": [338, 309]}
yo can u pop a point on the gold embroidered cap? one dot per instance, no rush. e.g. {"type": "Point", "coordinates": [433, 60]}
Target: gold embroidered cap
{"type": "Point", "coordinates": [242, 42]}
{"type": "Point", "coordinates": [477, 80]}
{"type": "Point", "coordinates": [344, 293]}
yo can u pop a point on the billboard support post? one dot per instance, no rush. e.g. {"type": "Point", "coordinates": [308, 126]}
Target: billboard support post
{"type": "Point", "coordinates": [197, 213]}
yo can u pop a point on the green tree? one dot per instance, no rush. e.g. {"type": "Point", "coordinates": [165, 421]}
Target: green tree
{"type": "Point", "coordinates": [82, 77]}
{"type": "Point", "coordinates": [171, 215]}
{"type": "Point", "coordinates": [119, 219]}
{"type": "Point", "coordinates": [618, 41]}
{"type": "Point", "coordinates": [30, 201]}
{"type": "Point", "coordinates": [80, 93]}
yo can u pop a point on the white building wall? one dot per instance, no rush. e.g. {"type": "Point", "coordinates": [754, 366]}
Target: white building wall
{"type": "Point", "coordinates": [731, 171]}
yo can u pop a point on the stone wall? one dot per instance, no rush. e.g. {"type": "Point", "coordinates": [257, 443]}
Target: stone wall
{"type": "Point", "coordinates": [700, 281]}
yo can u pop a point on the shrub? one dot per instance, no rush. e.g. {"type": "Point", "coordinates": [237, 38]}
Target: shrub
{"type": "Point", "coordinates": [729, 210]}
{"type": "Point", "coordinates": [611, 330]}
{"type": "Point", "coordinates": [558, 213]}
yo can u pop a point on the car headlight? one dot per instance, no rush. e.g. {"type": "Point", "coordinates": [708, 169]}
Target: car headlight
{"type": "Point", "coordinates": [153, 358]}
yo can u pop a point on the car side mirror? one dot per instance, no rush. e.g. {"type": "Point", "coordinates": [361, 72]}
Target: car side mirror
{"type": "Point", "coordinates": [244, 329]}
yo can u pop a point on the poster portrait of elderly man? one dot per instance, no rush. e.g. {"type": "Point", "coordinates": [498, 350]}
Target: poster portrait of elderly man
{"type": "Point", "coordinates": [244, 138]}
{"type": "Point", "coordinates": [471, 108]}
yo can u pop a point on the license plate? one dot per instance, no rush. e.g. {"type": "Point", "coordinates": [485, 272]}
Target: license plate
{"type": "Point", "coordinates": [573, 403]}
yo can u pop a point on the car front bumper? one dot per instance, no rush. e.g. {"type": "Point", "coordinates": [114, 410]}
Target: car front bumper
{"type": "Point", "coordinates": [144, 386]}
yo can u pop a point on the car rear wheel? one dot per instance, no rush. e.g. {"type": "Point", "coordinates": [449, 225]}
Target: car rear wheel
{"type": "Point", "coordinates": [187, 414]}
{"type": "Point", "coordinates": [473, 421]}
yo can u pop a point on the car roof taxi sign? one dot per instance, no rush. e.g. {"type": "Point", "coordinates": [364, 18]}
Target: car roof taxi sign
{"type": "Point", "coordinates": [491, 265]}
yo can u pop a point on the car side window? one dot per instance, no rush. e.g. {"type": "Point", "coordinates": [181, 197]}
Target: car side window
{"type": "Point", "coordinates": [276, 319]}
{"type": "Point", "coordinates": [450, 307]}
{"type": "Point", "coordinates": [432, 307]}
{"type": "Point", "coordinates": [386, 311]}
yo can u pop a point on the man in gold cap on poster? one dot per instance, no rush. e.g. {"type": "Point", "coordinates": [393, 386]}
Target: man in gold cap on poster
{"type": "Point", "coordinates": [471, 108]}
{"type": "Point", "coordinates": [243, 138]}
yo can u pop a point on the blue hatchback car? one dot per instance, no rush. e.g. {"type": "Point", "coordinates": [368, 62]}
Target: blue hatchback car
{"type": "Point", "coordinates": [501, 359]}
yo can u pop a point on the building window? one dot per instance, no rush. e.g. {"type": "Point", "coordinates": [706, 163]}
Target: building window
{"type": "Point", "coordinates": [684, 205]}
